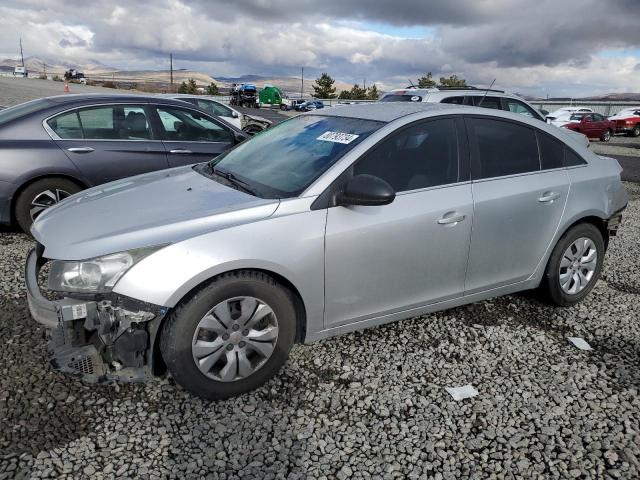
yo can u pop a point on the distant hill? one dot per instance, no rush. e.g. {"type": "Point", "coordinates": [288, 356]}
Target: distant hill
{"type": "Point", "coordinates": [37, 64]}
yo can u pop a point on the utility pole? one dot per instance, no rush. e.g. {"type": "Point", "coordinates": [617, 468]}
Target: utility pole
{"type": "Point", "coordinates": [21, 55]}
{"type": "Point", "coordinates": [171, 69]}
{"type": "Point", "coordinates": [302, 84]}
{"type": "Point", "coordinates": [44, 64]}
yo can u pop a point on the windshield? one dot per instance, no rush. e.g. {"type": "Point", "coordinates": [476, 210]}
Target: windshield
{"type": "Point", "coordinates": [401, 98]}
{"type": "Point", "coordinates": [283, 161]}
{"type": "Point", "coordinates": [577, 116]}
{"type": "Point", "coordinates": [16, 111]}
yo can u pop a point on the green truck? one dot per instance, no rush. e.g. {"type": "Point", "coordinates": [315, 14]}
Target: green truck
{"type": "Point", "coordinates": [270, 96]}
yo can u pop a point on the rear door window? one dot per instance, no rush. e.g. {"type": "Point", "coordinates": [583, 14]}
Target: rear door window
{"type": "Point", "coordinates": [502, 148]}
{"type": "Point", "coordinates": [487, 102]}
{"type": "Point", "coordinates": [516, 106]}
{"type": "Point", "coordinates": [459, 100]}
{"type": "Point", "coordinates": [108, 122]}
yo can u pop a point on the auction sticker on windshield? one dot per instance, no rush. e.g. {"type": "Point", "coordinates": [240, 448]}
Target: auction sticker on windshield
{"type": "Point", "coordinates": [338, 137]}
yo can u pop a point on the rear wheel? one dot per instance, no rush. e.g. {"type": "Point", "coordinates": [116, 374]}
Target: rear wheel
{"type": "Point", "coordinates": [635, 132]}
{"type": "Point", "coordinates": [606, 136]}
{"type": "Point", "coordinates": [231, 336]}
{"type": "Point", "coordinates": [575, 265]}
{"type": "Point", "coordinates": [39, 196]}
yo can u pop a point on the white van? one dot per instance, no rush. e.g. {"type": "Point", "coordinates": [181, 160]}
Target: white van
{"type": "Point", "coordinates": [20, 72]}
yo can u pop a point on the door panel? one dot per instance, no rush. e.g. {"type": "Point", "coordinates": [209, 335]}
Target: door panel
{"type": "Point", "coordinates": [513, 225]}
{"type": "Point", "coordinates": [391, 258]}
{"type": "Point", "coordinates": [103, 161]}
{"type": "Point", "coordinates": [190, 137]}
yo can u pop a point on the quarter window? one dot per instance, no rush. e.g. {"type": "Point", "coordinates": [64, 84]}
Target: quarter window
{"type": "Point", "coordinates": [67, 126]}
{"type": "Point", "coordinates": [420, 156]}
{"type": "Point", "coordinates": [551, 151]}
{"type": "Point", "coordinates": [503, 148]}
{"type": "Point", "coordinates": [572, 159]}
{"type": "Point", "coordinates": [189, 126]}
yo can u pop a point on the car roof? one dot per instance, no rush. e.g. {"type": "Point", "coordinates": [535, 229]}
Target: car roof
{"type": "Point", "coordinates": [71, 99]}
{"type": "Point", "coordinates": [385, 112]}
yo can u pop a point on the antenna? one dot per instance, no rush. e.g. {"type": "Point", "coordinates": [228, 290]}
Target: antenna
{"type": "Point", "coordinates": [485, 93]}
{"type": "Point", "coordinates": [411, 83]}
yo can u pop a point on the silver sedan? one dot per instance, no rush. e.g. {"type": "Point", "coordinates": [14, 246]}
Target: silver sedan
{"type": "Point", "coordinates": [331, 222]}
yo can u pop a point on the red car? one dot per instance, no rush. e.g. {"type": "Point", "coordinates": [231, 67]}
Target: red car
{"type": "Point", "coordinates": [628, 121]}
{"type": "Point", "coordinates": [593, 125]}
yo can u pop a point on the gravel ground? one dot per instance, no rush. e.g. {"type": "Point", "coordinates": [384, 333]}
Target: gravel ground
{"type": "Point", "coordinates": [365, 405]}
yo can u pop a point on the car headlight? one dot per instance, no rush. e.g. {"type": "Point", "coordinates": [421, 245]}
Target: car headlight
{"type": "Point", "coordinates": [96, 275]}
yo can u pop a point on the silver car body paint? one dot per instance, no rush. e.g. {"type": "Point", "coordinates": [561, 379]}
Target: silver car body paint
{"type": "Point", "coordinates": [347, 276]}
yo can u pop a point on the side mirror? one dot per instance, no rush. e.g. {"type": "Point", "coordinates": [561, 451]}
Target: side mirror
{"type": "Point", "coordinates": [544, 112]}
{"type": "Point", "coordinates": [234, 114]}
{"type": "Point", "coordinates": [366, 190]}
{"type": "Point", "coordinates": [239, 137]}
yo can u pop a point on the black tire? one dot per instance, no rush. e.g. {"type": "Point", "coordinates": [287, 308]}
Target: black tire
{"type": "Point", "coordinates": [61, 187]}
{"type": "Point", "coordinates": [635, 132]}
{"type": "Point", "coordinates": [178, 331]}
{"type": "Point", "coordinates": [606, 136]}
{"type": "Point", "coordinates": [551, 281]}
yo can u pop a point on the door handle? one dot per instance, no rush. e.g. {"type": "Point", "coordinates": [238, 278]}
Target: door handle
{"type": "Point", "coordinates": [548, 197]}
{"type": "Point", "coordinates": [451, 218]}
{"type": "Point", "coordinates": [80, 149]}
{"type": "Point", "coordinates": [182, 151]}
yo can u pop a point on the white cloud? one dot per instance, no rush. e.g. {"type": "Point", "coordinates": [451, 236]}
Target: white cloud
{"type": "Point", "coordinates": [524, 47]}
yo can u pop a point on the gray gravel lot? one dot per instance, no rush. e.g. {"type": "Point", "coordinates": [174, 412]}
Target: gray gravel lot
{"type": "Point", "coordinates": [365, 405]}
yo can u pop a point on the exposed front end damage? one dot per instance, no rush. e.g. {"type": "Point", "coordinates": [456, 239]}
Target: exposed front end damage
{"type": "Point", "coordinates": [98, 338]}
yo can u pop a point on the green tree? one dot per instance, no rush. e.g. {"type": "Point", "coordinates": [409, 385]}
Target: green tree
{"type": "Point", "coordinates": [345, 95]}
{"type": "Point", "coordinates": [426, 81]}
{"type": "Point", "coordinates": [189, 87]}
{"type": "Point", "coordinates": [372, 92]}
{"type": "Point", "coordinates": [358, 93]}
{"type": "Point", "coordinates": [323, 87]}
{"type": "Point", "coordinates": [452, 81]}
{"type": "Point", "coordinates": [212, 89]}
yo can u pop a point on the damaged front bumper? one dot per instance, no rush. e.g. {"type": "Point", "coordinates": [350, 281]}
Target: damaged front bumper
{"type": "Point", "coordinates": [96, 337]}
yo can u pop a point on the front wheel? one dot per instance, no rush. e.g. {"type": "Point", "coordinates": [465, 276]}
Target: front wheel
{"type": "Point", "coordinates": [575, 265]}
{"type": "Point", "coordinates": [231, 336]}
{"type": "Point", "coordinates": [606, 136]}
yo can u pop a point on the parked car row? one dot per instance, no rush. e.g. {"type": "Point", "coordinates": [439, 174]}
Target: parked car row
{"type": "Point", "coordinates": [214, 271]}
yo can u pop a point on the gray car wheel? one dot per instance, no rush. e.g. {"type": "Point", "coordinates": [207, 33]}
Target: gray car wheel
{"type": "Point", "coordinates": [230, 336]}
{"type": "Point", "coordinates": [39, 196]}
{"type": "Point", "coordinates": [575, 265]}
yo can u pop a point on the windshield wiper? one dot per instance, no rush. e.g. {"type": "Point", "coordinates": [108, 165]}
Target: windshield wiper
{"type": "Point", "coordinates": [232, 179]}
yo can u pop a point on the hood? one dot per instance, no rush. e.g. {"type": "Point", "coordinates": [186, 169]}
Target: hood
{"type": "Point", "coordinates": [151, 209]}
{"type": "Point", "coordinates": [624, 115]}
{"type": "Point", "coordinates": [258, 119]}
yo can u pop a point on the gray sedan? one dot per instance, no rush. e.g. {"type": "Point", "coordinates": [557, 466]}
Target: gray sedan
{"type": "Point", "coordinates": [54, 147]}
{"type": "Point", "coordinates": [330, 222]}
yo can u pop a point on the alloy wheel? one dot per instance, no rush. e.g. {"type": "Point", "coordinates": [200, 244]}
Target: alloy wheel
{"type": "Point", "coordinates": [578, 265]}
{"type": "Point", "coordinates": [46, 199]}
{"type": "Point", "coordinates": [234, 339]}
